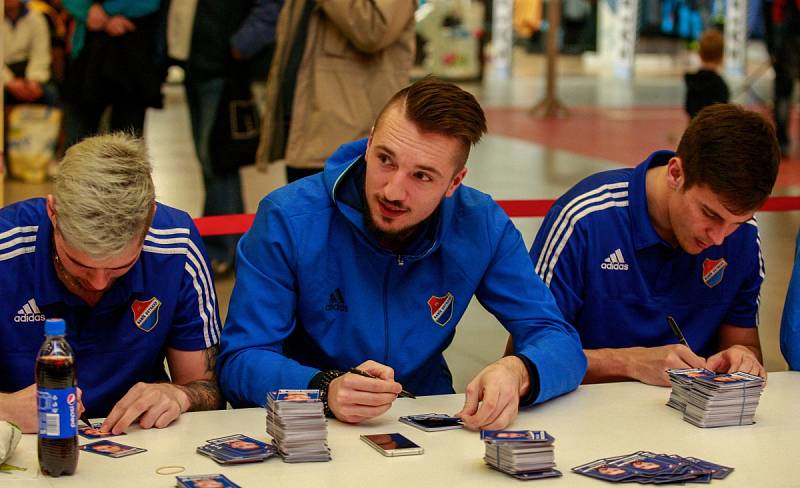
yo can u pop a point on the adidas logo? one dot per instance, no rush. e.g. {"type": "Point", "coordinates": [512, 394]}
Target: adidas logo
{"type": "Point", "coordinates": [29, 313]}
{"type": "Point", "coordinates": [336, 302]}
{"type": "Point", "coordinates": [615, 262]}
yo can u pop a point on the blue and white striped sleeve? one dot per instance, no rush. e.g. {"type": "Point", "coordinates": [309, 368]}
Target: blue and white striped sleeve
{"type": "Point", "coordinates": [744, 310]}
{"type": "Point", "coordinates": [556, 254]}
{"type": "Point", "coordinates": [196, 323]}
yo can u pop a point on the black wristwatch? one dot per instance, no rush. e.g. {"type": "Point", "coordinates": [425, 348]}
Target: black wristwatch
{"type": "Point", "coordinates": [322, 381]}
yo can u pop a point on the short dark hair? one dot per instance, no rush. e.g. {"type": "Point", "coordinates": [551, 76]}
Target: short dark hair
{"type": "Point", "coordinates": [734, 152]}
{"type": "Point", "coordinates": [712, 46]}
{"type": "Point", "coordinates": [441, 107]}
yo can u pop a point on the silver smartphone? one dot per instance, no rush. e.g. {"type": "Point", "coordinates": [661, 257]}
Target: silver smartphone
{"type": "Point", "coordinates": [392, 444]}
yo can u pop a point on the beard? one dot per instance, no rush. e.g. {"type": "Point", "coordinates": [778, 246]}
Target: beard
{"type": "Point", "coordinates": [394, 240]}
{"type": "Point", "coordinates": [398, 240]}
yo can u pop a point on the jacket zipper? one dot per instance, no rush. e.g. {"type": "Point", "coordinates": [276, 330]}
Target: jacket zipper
{"type": "Point", "coordinates": [400, 262]}
{"type": "Point", "coordinates": [386, 314]}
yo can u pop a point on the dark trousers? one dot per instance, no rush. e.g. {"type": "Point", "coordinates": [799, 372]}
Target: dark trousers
{"type": "Point", "coordinates": [223, 192]}
{"type": "Point", "coordinates": [787, 71]}
{"type": "Point", "coordinates": [81, 120]}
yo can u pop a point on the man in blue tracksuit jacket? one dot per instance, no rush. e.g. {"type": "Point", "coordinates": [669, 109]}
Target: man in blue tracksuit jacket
{"type": "Point", "coordinates": [372, 264]}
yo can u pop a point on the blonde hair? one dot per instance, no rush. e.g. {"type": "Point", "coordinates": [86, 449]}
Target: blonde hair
{"type": "Point", "coordinates": [104, 194]}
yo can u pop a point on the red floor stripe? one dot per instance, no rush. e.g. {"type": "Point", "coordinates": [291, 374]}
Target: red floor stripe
{"type": "Point", "coordinates": [238, 224]}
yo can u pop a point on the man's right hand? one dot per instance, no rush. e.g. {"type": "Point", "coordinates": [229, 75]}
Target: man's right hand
{"type": "Point", "coordinates": [353, 398]}
{"type": "Point", "coordinates": [21, 408]}
{"type": "Point", "coordinates": [649, 364]}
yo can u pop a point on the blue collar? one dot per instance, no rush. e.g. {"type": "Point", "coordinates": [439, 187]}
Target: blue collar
{"type": "Point", "coordinates": [50, 290]}
{"type": "Point", "coordinates": [642, 230]}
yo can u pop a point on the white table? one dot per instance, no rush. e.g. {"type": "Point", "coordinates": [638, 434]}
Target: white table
{"type": "Point", "coordinates": [595, 421]}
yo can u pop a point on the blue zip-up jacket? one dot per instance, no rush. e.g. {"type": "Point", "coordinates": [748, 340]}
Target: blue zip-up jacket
{"type": "Point", "coordinates": [314, 292]}
{"type": "Point", "coordinates": [790, 322]}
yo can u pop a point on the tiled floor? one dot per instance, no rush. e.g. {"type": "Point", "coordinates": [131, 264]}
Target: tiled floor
{"type": "Point", "coordinates": [611, 124]}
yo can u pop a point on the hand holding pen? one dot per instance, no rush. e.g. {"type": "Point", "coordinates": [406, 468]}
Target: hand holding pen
{"type": "Point", "coordinates": [402, 394]}
{"type": "Point", "coordinates": [735, 358]}
{"type": "Point", "coordinates": [364, 393]}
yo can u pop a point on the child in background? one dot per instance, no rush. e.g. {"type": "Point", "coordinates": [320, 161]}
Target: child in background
{"type": "Point", "coordinates": [706, 86]}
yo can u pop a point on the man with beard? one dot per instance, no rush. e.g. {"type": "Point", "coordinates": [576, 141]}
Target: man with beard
{"type": "Point", "coordinates": [372, 263]}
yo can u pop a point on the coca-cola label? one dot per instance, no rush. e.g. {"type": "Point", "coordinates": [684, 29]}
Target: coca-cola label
{"type": "Point", "coordinates": [58, 413]}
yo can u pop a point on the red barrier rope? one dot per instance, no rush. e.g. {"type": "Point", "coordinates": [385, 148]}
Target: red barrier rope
{"type": "Point", "coordinates": [238, 224]}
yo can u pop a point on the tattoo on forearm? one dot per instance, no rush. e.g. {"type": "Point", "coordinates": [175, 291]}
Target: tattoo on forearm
{"type": "Point", "coordinates": [211, 359]}
{"type": "Point", "coordinates": [205, 394]}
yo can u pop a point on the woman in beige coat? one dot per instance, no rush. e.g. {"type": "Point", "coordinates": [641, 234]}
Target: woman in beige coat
{"type": "Point", "coordinates": [336, 63]}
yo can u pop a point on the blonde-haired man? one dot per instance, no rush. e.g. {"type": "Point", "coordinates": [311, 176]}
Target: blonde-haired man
{"type": "Point", "coordinates": [129, 276]}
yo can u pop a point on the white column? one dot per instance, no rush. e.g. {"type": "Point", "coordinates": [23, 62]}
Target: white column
{"type": "Point", "coordinates": [502, 38]}
{"type": "Point", "coordinates": [617, 36]}
{"type": "Point", "coordinates": [736, 38]}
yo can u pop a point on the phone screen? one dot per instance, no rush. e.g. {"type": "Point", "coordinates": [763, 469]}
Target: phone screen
{"type": "Point", "coordinates": [388, 442]}
{"type": "Point", "coordinates": [434, 422]}
{"type": "Point", "coordinates": [392, 444]}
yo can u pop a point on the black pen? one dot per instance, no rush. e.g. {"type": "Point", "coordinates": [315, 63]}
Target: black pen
{"type": "Point", "coordinates": [402, 394]}
{"type": "Point", "coordinates": [86, 421]}
{"type": "Point", "coordinates": [677, 331]}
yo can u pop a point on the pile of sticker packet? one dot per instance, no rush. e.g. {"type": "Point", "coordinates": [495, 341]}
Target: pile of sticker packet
{"type": "Point", "coordinates": [296, 421]}
{"type": "Point", "coordinates": [524, 454]}
{"type": "Point", "coordinates": [708, 399]}
{"type": "Point", "coordinates": [236, 449]}
{"type": "Point", "coordinates": [648, 468]}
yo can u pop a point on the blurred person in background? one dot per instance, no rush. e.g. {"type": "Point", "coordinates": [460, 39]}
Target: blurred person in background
{"type": "Point", "coordinates": [786, 62]}
{"type": "Point", "coordinates": [228, 41]}
{"type": "Point", "coordinates": [705, 86]}
{"type": "Point", "coordinates": [26, 56]}
{"type": "Point", "coordinates": [336, 63]}
{"type": "Point", "coordinates": [113, 64]}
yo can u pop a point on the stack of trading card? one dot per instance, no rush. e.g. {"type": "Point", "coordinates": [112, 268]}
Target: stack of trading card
{"type": "Point", "coordinates": [715, 400]}
{"type": "Point", "coordinates": [296, 422]}
{"type": "Point", "coordinates": [205, 480]}
{"type": "Point", "coordinates": [236, 449]}
{"type": "Point", "coordinates": [681, 380]}
{"type": "Point", "coordinates": [646, 467]}
{"type": "Point", "coordinates": [524, 454]}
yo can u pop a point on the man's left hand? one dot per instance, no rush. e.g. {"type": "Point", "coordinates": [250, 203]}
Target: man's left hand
{"type": "Point", "coordinates": [153, 404]}
{"type": "Point", "coordinates": [736, 358]}
{"type": "Point", "coordinates": [492, 397]}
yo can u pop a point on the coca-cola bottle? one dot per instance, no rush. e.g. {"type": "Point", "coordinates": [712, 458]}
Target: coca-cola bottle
{"type": "Point", "coordinates": [58, 402]}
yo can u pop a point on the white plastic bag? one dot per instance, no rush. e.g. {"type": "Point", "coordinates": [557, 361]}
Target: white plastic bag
{"type": "Point", "coordinates": [31, 143]}
{"type": "Point", "coordinates": [9, 438]}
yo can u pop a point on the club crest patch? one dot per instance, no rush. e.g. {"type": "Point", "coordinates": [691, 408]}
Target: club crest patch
{"type": "Point", "coordinates": [713, 271]}
{"type": "Point", "coordinates": [441, 308]}
{"type": "Point", "coordinates": [145, 313]}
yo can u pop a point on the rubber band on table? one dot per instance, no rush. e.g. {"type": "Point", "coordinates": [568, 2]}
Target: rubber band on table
{"type": "Point", "coordinates": [168, 470]}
